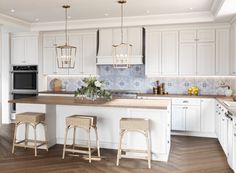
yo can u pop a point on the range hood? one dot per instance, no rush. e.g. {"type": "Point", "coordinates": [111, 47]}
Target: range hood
{"type": "Point", "coordinates": [107, 37]}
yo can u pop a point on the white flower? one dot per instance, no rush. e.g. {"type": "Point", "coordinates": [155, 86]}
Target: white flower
{"type": "Point", "coordinates": [98, 84]}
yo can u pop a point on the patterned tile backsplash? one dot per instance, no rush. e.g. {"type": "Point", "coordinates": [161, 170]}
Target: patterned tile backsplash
{"type": "Point", "coordinates": [134, 79]}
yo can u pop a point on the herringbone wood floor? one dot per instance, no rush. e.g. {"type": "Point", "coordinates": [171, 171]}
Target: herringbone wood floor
{"type": "Point", "coordinates": [188, 155]}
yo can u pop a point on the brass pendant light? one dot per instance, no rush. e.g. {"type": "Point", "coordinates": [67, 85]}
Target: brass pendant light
{"type": "Point", "coordinates": [65, 53]}
{"type": "Point", "coordinates": [122, 52]}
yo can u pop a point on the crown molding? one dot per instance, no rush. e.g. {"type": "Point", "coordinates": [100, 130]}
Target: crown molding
{"type": "Point", "coordinates": [216, 6]}
{"type": "Point", "coordinates": [194, 17]}
{"type": "Point", "coordinates": [15, 23]}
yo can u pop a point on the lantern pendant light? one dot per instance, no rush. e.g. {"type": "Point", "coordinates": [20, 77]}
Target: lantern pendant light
{"type": "Point", "coordinates": [122, 52]}
{"type": "Point", "coordinates": [66, 54]}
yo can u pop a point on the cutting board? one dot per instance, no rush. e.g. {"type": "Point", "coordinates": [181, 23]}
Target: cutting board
{"type": "Point", "coordinates": [56, 84]}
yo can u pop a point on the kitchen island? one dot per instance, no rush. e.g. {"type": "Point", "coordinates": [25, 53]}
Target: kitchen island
{"type": "Point", "coordinates": [108, 113]}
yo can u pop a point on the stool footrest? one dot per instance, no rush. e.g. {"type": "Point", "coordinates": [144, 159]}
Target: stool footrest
{"type": "Point", "coordinates": [77, 151]}
{"type": "Point", "coordinates": [134, 157]}
{"type": "Point", "coordinates": [22, 143]}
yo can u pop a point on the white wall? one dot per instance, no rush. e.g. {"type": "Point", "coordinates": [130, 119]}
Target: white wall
{"type": "Point", "coordinates": [4, 75]}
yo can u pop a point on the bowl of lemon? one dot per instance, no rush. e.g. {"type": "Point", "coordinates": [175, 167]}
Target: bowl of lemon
{"type": "Point", "coordinates": [193, 90]}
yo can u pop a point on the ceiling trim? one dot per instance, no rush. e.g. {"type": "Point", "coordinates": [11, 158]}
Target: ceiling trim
{"type": "Point", "coordinates": [9, 21]}
{"type": "Point", "coordinates": [194, 17]}
{"type": "Point", "coordinates": [216, 6]}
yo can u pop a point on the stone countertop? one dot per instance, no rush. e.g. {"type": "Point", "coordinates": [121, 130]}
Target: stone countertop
{"type": "Point", "coordinates": [121, 103]}
{"type": "Point", "coordinates": [181, 96]}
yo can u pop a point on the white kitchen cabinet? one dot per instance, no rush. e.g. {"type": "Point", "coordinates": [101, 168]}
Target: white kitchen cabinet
{"type": "Point", "coordinates": [89, 54]}
{"type": "Point", "coordinates": [208, 115]}
{"type": "Point", "coordinates": [222, 52]}
{"type": "Point", "coordinates": [24, 49]}
{"type": "Point", "coordinates": [188, 36]}
{"type": "Point", "coordinates": [169, 61]}
{"type": "Point", "coordinates": [193, 123]}
{"type": "Point", "coordinates": [206, 35]}
{"type": "Point", "coordinates": [187, 59]}
{"type": "Point", "coordinates": [186, 114]}
{"type": "Point", "coordinates": [178, 118]}
{"type": "Point", "coordinates": [109, 37]}
{"type": "Point", "coordinates": [85, 60]}
{"type": "Point", "coordinates": [206, 59]}
{"type": "Point", "coordinates": [153, 54]}
{"type": "Point", "coordinates": [223, 133]}
{"type": "Point", "coordinates": [49, 61]}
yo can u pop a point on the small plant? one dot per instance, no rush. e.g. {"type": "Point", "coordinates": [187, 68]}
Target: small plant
{"type": "Point", "coordinates": [92, 89]}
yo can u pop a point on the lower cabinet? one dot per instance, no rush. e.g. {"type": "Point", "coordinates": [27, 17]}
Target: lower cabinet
{"type": "Point", "coordinates": [186, 118]}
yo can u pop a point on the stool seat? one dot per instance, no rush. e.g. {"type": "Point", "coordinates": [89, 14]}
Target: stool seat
{"type": "Point", "coordinates": [134, 124]}
{"type": "Point", "coordinates": [81, 121]}
{"type": "Point", "coordinates": [30, 117]}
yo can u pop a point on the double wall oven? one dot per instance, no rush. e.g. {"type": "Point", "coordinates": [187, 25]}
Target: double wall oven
{"type": "Point", "coordinates": [24, 82]}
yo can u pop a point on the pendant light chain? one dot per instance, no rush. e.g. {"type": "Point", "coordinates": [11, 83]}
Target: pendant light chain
{"type": "Point", "coordinates": [122, 22]}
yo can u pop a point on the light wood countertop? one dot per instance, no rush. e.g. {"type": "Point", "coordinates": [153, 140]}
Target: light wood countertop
{"type": "Point", "coordinates": [121, 103]}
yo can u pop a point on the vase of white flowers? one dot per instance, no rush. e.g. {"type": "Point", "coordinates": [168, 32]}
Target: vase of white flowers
{"type": "Point", "coordinates": [92, 89]}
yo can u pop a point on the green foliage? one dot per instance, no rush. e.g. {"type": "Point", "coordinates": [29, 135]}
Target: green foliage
{"type": "Point", "coordinates": [93, 88]}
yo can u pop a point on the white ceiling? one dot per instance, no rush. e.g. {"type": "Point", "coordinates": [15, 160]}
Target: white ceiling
{"type": "Point", "coordinates": [50, 10]}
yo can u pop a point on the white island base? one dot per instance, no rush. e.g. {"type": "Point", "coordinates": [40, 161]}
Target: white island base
{"type": "Point", "coordinates": [108, 126]}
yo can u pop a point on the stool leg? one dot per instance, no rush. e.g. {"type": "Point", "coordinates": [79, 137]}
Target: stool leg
{"type": "Point", "coordinates": [74, 134]}
{"type": "Point", "coordinates": [26, 134]}
{"type": "Point", "coordinates": [14, 138]}
{"type": "Point", "coordinates": [45, 135]}
{"type": "Point", "coordinates": [64, 148]}
{"type": "Point", "coordinates": [119, 148]}
{"type": "Point", "coordinates": [147, 135]}
{"type": "Point", "coordinates": [97, 141]}
{"type": "Point", "coordinates": [35, 141]}
{"type": "Point", "coordinates": [89, 145]}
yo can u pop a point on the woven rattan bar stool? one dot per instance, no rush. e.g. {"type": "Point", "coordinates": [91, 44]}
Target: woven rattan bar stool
{"type": "Point", "coordinates": [86, 123]}
{"type": "Point", "coordinates": [135, 125]}
{"type": "Point", "coordinates": [33, 119]}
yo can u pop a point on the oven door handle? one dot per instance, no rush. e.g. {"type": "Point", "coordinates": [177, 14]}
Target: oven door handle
{"type": "Point", "coordinates": [25, 71]}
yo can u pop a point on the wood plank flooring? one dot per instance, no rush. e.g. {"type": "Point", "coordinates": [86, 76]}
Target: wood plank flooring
{"type": "Point", "coordinates": [188, 155]}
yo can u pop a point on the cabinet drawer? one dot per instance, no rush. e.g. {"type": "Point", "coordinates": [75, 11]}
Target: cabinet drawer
{"type": "Point", "coordinates": [186, 101]}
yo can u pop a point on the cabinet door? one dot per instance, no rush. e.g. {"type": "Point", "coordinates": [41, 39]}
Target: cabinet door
{"type": "Point", "coordinates": [188, 36]}
{"type": "Point", "coordinates": [193, 122]}
{"type": "Point", "coordinates": [170, 53]}
{"type": "Point", "coordinates": [208, 115]}
{"type": "Point", "coordinates": [77, 41]}
{"type": "Point", "coordinates": [135, 38]}
{"type": "Point", "coordinates": [18, 51]}
{"type": "Point", "coordinates": [49, 41]}
{"type": "Point", "coordinates": [206, 35]}
{"type": "Point", "coordinates": [223, 133]}
{"type": "Point", "coordinates": [31, 50]}
{"type": "Point", "coordinates": [206, 58]}
{"type": "Point", "coordinates": [153, 54]}
{"type": "Point", "coordinates": [49, 61]}
{"type": "Point", "coordinates": [230, 138]}
{"type": "Point", "coordinates": [187, 59]}
{"type": "Point", "coordinates": [222, 52]}
{"type": "Point", "coordinates": [178, 118]}
{"type": "Point", "coordinates": [89, 54]}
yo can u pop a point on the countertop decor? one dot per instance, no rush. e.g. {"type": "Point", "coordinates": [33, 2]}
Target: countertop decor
{"type": "Point", "coordinates": [92, 89]}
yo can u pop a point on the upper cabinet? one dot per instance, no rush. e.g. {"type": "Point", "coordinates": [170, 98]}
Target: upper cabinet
{"type": "Point", "coordinates": [24, 49]}
{"type": "Point", "coordinates": [161, 53]}
{"type": "Point", "coordinates": [112, 36]}
{"type": "Point", "coordinates": [85, 62]}
{"type": "Point", "coordinates": [187, 52]}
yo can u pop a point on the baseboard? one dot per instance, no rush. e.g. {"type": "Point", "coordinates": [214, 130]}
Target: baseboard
{"type": "Point", "coordinates": [194, 134]}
